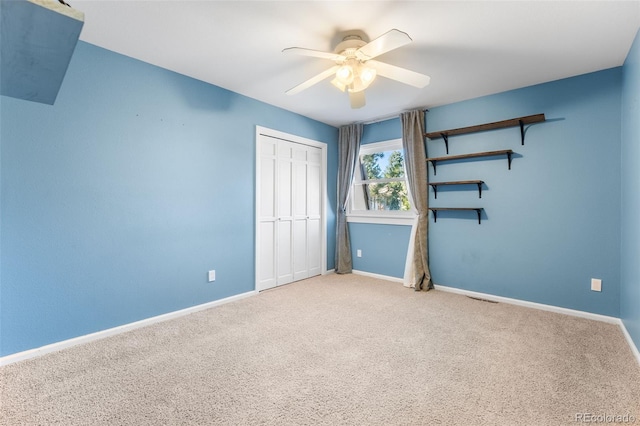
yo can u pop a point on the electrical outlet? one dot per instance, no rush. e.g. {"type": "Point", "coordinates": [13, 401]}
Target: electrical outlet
{"type": "Point", "coordinates": [359, 253]}
{"type": "Point", "coordinates": [596, 284]}
{"type": "Point", "coordinates": [212, 275]}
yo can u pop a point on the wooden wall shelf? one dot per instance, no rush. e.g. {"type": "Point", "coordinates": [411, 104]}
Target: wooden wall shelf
{"type": "Point", "coordinates": [457, 182]}
{"type": "Point", "coordinates": [508, 153]}
{"type": "Point", "coordinates": [435, 211]}
{"type": "Point", "coordinates": [519, 121]}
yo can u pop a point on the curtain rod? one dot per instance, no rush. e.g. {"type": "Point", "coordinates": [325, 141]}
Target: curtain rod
{"type": "Point", "coordinates": [387, 117]}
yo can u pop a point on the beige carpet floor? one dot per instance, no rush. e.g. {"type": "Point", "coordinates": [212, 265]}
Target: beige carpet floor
{"type": "Point", "coordinates": [336, 350]}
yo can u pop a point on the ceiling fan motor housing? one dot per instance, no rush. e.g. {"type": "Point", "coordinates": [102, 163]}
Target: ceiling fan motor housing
{"type": "Point", "coordinates": [348, 46]}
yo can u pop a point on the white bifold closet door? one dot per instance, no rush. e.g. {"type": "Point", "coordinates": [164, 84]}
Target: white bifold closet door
{"type": "Point", "coordinates": [290, 212]}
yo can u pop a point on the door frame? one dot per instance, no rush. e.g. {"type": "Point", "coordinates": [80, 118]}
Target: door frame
{"type": "Point", "coordinates": [276, 134]}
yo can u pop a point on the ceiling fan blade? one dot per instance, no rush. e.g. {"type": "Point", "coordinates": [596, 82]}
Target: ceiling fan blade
{"type": "Point", "coordinates": [388, 41]}
{"type": "Point", "coordinates": [313, 80]}
{"type": "Point", "coordinates": [314, 53]}
{"type": "Point", "coordinates": [357, 99]}
{"type": "Point", "coordinates": [402, 75]}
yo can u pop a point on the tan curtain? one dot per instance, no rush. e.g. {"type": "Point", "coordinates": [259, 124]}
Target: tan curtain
{"type": "Point", "coordinates": [417, 274]}
{"type": "Point", "coordinates": [348, 149]}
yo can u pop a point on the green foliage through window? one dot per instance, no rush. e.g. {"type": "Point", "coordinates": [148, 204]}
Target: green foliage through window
{"type": "Point", "coordinates": [391, 193]}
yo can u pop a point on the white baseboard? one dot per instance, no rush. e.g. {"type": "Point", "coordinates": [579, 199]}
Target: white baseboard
{"type": "Point", "coordinates": [378, 276]}
{"type": "Point", "coordinates": [53, 347]}
{"type": "Point", "coordinates": [533, 305]}
{"type": "Point", "coordinates": [543, 307]}
{"type": "Point", "coordinates": [632, 345]}
{"type": "Point", "coordinates": [550, 308]}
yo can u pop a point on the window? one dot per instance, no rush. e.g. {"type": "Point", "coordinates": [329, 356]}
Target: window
{"type": "Point", "coordinates": [380, 193]}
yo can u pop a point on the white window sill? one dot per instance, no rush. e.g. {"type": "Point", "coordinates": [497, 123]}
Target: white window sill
{"type": "Point", "coordinates": [384, 220]}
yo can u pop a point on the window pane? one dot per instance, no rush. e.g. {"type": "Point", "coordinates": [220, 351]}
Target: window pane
{"type": "Point", "coordinates": [380, 184]}
{"type": "Point", "coordinates": [387, 196]}
{"type": "Point", "coordinates": [380, 165]}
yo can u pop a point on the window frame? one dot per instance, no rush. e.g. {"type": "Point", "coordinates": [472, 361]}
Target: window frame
{"type": "Point", "coordinates": [388, 217]}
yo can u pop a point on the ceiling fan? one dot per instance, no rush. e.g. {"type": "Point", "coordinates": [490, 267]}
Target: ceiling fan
{"type": "Point", "coordinates": [355, 68]}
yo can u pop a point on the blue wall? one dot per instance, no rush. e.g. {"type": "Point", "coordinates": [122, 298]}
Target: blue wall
{"type": "Point", "coordinates": [552, 222]}
{"type": "Point", "coordinates": [117, 200]}
{"type": "Point", "coordinates": [384, 248]}
{"type": "Point", "coordinates": [630, 248]}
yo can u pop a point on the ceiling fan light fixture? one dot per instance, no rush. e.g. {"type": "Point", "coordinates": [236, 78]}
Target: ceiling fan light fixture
{"type": "Point", "coordinates": [340, 86]}
{"type": "Point", "coordinates": [367, 75]}
{"type": "Point", "coordinates": [345, 75]}
{"type": "Point", "coordinates": [364, 76]}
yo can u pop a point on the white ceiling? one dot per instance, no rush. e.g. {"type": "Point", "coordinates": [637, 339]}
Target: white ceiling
{"type": "Point", "coordinates": [469, 49]}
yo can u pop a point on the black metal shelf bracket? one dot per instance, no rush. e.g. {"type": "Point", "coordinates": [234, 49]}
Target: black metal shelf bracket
{"type": "Point", "coordinates": [509, 154]}
{"type": "Point", "coordinates": [435, 185]}
{"type": "Point", "coordinates": [521, 130]}
{"type": "Point", "coordinates": [445, 137]}
{"type": "Point", "coordinates": [433, 163]}
{"type": "Point", "coordinates": [436, 209]}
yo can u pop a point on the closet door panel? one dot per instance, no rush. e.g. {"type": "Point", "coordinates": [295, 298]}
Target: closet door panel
{"type": "Point", "coordinates": [267, 272]}
{"type": "Point", "coordinates": [314, 212]}
{"type": "Point", "coordinates": [299, 196]}
{"type": "Point", "coordinates": [267, 208]}
{"type": "Point", "coordinates": [267, 216]}
{"type": "Point", "coordinates": [284, 189]}
{"type": "Point", "coordinates": [284, 259]}
{"type": "Point", "coordinates": [314, 247]}
{"type": "Point", "coordinates": [284, 262]}
{"type": "Point", "coordinates": [300, 266]}
{"type": "Point", "coordinates": [314, 201]}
